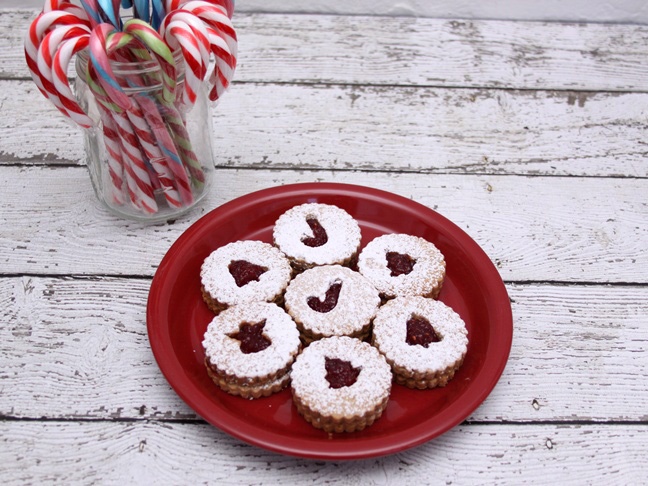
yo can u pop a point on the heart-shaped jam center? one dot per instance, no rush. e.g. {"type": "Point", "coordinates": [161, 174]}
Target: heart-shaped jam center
{"type": "Point", "coordinates": [245, 272]}
{"type": "Point", "coordinates": [319, 237]}
{"type": "Point", "coordinates": [340, 373]}
{"type": "Point", "coordinates": [330, 300]}
{"type": "Point", "coordinates": [420, 331]}
{"type": "Point", "coordinates": [251, 337]}
{"type": "Point", "coordinates": [399, 263]}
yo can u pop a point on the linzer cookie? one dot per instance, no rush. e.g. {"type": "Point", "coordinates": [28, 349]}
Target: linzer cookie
{"type": "Point", "coordinates": [249, 349]}
{"type": "Point", "coordinates": [340, 384]}
{"type": "Point", "coordinates": [244, 271]}
{"type": "Point", "coordinates": [399, 264]}
{"type": "Point", "coordinates": [317, 234]}
{"type": "Point", "coordinates": [331, 300]}
{"type": "Point", "coordinates": [424, 340]}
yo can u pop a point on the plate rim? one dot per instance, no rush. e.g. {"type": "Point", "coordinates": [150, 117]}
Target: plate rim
{"type": "Point", "coordinates": [238, 428]}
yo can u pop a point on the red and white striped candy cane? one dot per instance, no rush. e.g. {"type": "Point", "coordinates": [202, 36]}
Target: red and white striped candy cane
{"type": "Point", "coordinates": [151, 128]}
{"type": "Point", "coordinates": [227, 6]}
{"type": "Point", "coordinates": [41, 26]}
{"type": "Point", "coordinates": [223, 41]}
{"type": "Point", "coordinates": [117, 160]}
{"type": "Point", "coordinates": [182, 29]}
{"type": "Point", "coordinates": [48, 48]}
{"type": "Point", "coordinates": [149, 144]}
{"type": "Point", "coordinates": [65, 6]}
{"type": "Point", "coordinates": [158, 124]}
{"type": "Point", "coordinates": [137, 175]}
{"type": "Point", "coordinates": [161, 174]}
{"type": "Point", "coordinates": [59, 69]}
{"type": "Point", "coordinates": [135, 165]}
{"type": "Point", "coordinates": [223, 72]}
{"type": "Point", "coordinates": [112, 142]}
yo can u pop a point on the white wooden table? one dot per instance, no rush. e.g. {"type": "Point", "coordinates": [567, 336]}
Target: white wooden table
{"type": "Point", "coordinates": [530, 136]}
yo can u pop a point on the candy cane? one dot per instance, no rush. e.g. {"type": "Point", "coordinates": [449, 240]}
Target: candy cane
{"type": "Point", "coordinates": [54, 69]}
{"type": "Point", "coordinates": [185, 149]}
{"type": "Point", "coordinates": [141, 9]}
{"type": "Point", "coordinates": [223, 40]}
{"type": "Point", "coordinates": [114, 157]}
{"type": "Point", "coordinates": [135, 165]}
{"type": "Point", "coordinates": [176, 146]}
{"type": "Point", "coordinates": [225, 65]}
{"type": "Point", "coordinates": [183, 30]}
{"type": "Point", "coordinates": [157, 13]}
{"type": "Point", "coordinates": [109, 12]}
{"type": "Point", "coordinates": [214, 17]}
{"type": "Point", "coordinates": [149, 144]}
{"type": "Point", "coordinates": [170, 168]}
{"type": "Point", "coordinates": [92, 10]}
{"type": "Point", "coordinates": [101, 64]}
{"type": "Point", "coordinates": [65, 6]}
{"type": "Point", "coordinates": [227, 6]}
{"type": "Point", "coordinates": [151, 128]}
{"type": "Point", "coordinates": [117, 159]}
{"type": "Point", "coordinates": [38, 29]}
{"type": "Point", "coordinates": [60, 63]}
{"type": "Point", "coordinates": [47, 50]}
{"type": "Point", "coordinates": [158, 125]}
{"type": "Point", "coordinates": [160, 50]}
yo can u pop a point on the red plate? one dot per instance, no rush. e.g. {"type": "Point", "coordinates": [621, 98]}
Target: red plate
{"type": "Point", "coordinates": [177, 319]}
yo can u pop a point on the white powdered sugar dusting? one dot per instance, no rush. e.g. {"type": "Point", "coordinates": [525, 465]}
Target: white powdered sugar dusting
{"type": "Point", "coordinates": [357, 304]}
{"type": "Point", "coordinates": [342, 230]}
{"type": "Point", "coordinates": [390, 334]}
{"type": "Point", "coordinates": [371, 387]}
{"type": "Point", "coordinates": [225, 352]}
{"type": "Point", "coordinates": [220, 284]}
{"type": "Point", "coordinates": [428, 271]}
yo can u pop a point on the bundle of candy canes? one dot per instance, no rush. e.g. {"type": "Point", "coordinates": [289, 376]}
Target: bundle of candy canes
{"type": "Point", "coordinates": [146, 141]}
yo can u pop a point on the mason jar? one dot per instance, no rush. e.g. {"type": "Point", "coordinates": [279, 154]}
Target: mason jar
{"type": "Point", "coordinates": [151, 161]}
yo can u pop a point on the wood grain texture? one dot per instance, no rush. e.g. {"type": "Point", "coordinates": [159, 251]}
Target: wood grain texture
{"type": "Point", "coordinates": [529, 136]}
{"type": "Point", "coordinates": [526, 225]}
{"type": "Point", "coordinates": [415, 51]}
{"type": "Point", "coordinates": [112, 453]}
{"type": "Point", "coordinates": [406, 129]}
{"type": "Point", "coordinates": [78, 349]}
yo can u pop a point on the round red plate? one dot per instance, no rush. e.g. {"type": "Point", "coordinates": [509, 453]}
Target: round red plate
{"type": "Point", "coordinates": [177, 319]}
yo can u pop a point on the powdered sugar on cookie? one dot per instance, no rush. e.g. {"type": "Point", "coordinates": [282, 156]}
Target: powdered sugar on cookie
{"type": "Point", "coordinates": [218, 281]}
{"type": "Point", "coordinates": [372, 386]}
{"type": "Point", "coordinates": [224, 351]}
{"type": "Point", "coordinates": [357, 302]}
{"type": "Point", "coordinates": [341, 230]}
{"type": "Point", "coordinates": [427, 271]}
{"type": "Point", "coordinates": [390, 335]}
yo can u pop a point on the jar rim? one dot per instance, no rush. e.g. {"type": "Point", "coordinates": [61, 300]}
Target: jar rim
{"type": "Point", "coordinates": [125, 68]}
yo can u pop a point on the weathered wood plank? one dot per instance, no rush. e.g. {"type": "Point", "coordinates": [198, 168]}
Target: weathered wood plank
{"type": "Point", "coordinates": [54, 225]}
{"type": "Point", "coordinates": [78, 349]}
{"type": "Point", "coordinates": [149, 453]}
{"type": "Point", "coordinates": [416, 51]}
{"type": "Point", "coordinates": [381, 128]}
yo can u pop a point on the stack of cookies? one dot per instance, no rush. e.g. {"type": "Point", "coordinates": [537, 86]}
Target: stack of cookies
{"type": "Point", "coordinates": [338, 322]}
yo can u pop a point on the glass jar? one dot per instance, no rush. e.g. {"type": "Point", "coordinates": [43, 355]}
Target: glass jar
{"type": "Point", "coordinates": [152, 161]}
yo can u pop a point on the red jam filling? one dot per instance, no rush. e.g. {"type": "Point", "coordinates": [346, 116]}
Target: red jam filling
{"type": "Point", "coordinates": [319, 237]}
{"type": "Point", "coordinates": [420, 331]}
{"type": "Point", "coordinates": [251, 337]}
{"type": "Point", "coordinates": [245, 272]}
{"type": "Point", "coordinates": [329, 302]}
{"type": "Point", "coordinates": [340, 373]}
{"type": "Point", "coordinates": [399, 263]}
